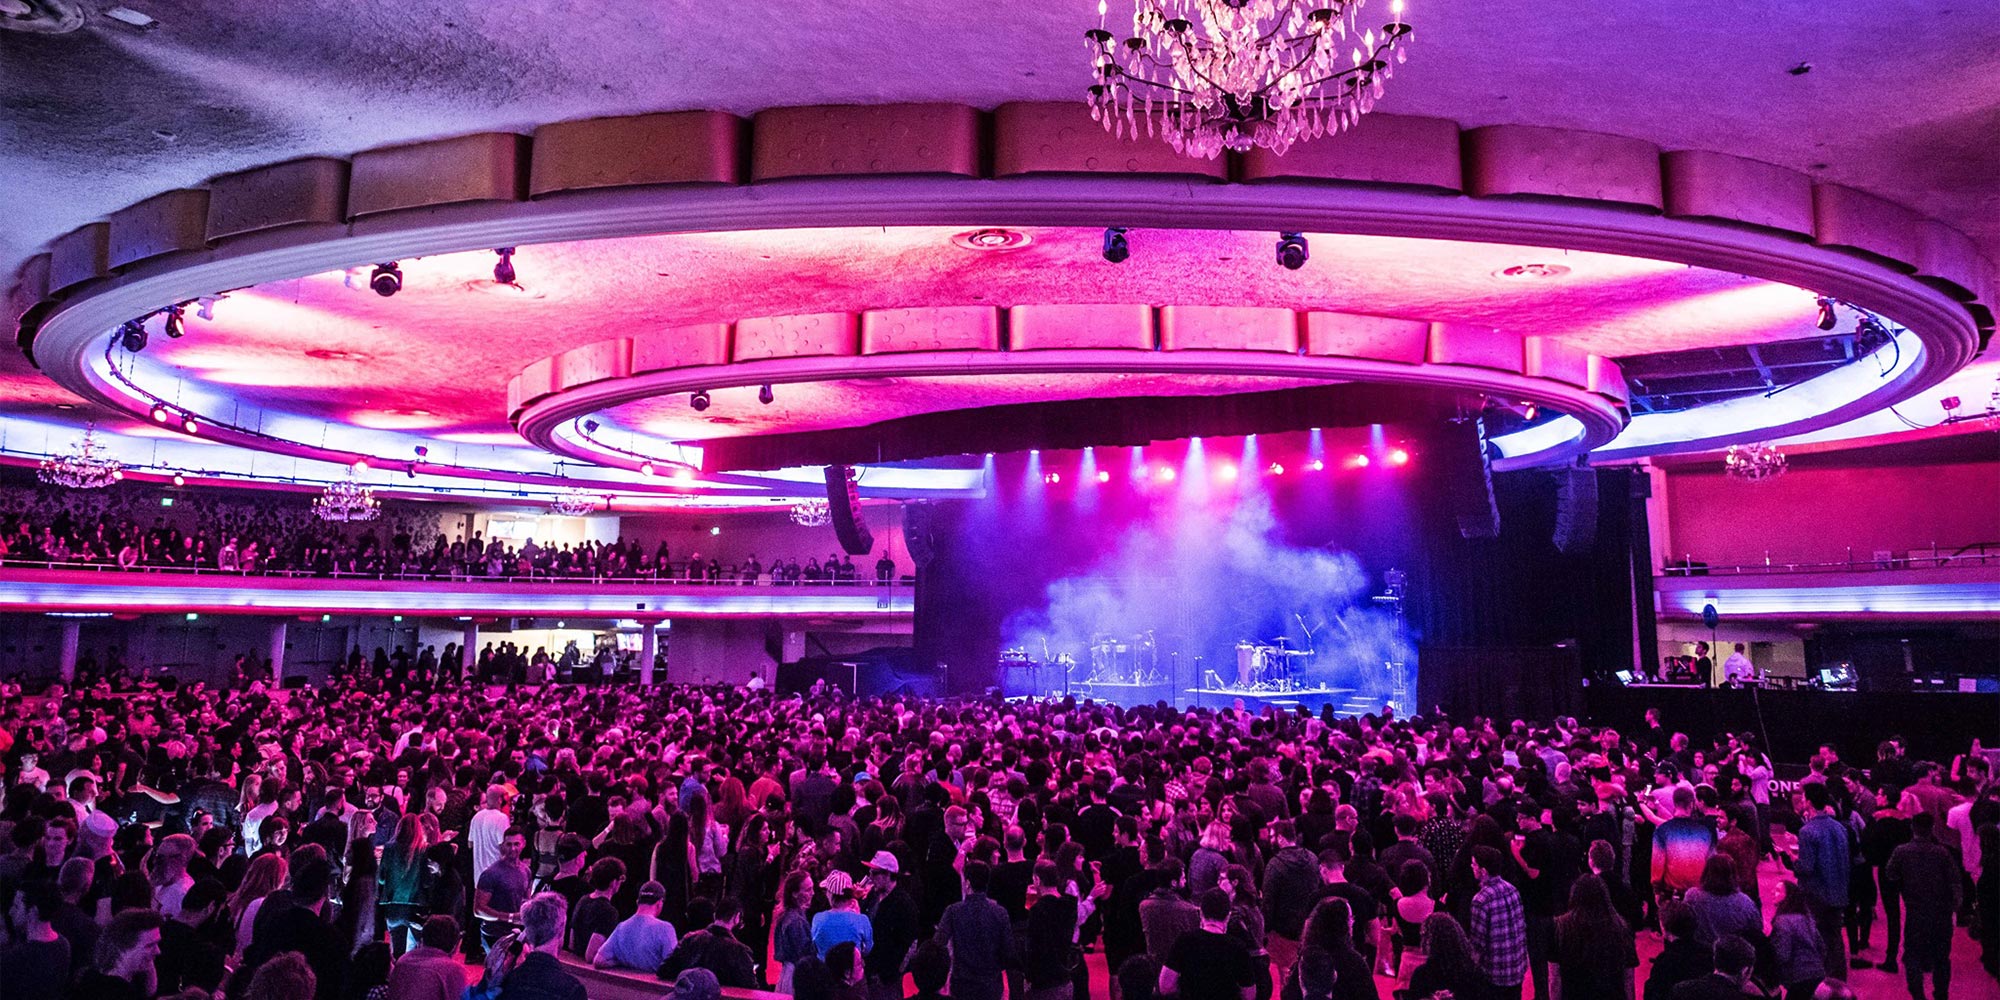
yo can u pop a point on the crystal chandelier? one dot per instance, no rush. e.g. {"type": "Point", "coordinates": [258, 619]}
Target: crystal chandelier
{"type": "Point", "coordinates": [1211, 75]}
{"type": "Point", "coordinates": [573, 503]}
{"type": "Point", "coordinates": [812, 514]}
{"type": "Point", "coordinates": [1754, 462]}
{"type": "Point", "coordinates": [86, 466]}
{"type": "Point", "coordinates": [347, 500]}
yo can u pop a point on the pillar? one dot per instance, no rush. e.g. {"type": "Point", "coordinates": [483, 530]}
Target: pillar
{"type": "Point", "coordinates": [469, 652]}
{"type": "Point", "coordinates": [279, 629]}
{"type": "Point", "coordinates": [66, 659]}
{"type": "Point", "coordinates": [648, 638]}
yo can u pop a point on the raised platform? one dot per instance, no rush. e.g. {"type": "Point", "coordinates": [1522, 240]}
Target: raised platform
{"type": "Point", "coordinates": [1344, 700]}
{"type": "Point", "coordinates": [1125, 694]}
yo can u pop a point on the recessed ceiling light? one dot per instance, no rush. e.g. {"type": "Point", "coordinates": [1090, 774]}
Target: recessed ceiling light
{"type": "Point", "coordinates": [993, 239]}
{"type": "Point", "coordinates": [1531, 272]}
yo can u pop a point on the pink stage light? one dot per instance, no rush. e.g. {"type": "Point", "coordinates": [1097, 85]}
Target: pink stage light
{"type": "Point", "coordinates": [1316, 465]}
{"type": "Point", "coordinates": [1052, 478]}
{"type": "Point", "coordinates": [1166, 474]}
{"type": "Point", "coordinates": [1399, 457]}
{"type": "Point", "coordinates": [1276, 469]}
{"type": "Point", "coordinates": [1225, 472]}
{"type": "Point", "coordinates": [1103, 476]}
{"type": "Point", "coordinates": [1358, 462]}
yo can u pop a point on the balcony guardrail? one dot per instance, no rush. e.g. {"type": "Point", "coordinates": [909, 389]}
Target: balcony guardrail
{"type": "Point", "coordinates": [1971, 556]}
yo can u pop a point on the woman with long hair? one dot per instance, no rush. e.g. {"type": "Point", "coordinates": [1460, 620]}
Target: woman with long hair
{"type": "Point", "coordinates": [708, 844]}
{"type": "Point", "coordinates": [1246, 921]}
{"type": "Point", "coordinates": [1594, 951]}
{"type": "Point", "coordinates": [1329, 937]}
{"type": "Point", "coordinates": [791, 934]}
{"type": "Point", "coordinates": [1210, 857]}
{"type": "Point", "coordinates": [264, 876]}
{"type": "Point", "coordinates": [1720, 907]}
{"type": "Point", "coordinates": [401, 890]}
{"type": "Point", "coordinates": [1448, 962]}
{"type": "Point", "coordinates": [358, 895]}
{"type": "Point", "coordinates": [752, 879]}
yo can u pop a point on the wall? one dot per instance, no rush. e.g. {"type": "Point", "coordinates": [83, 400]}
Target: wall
{"type": "Point", "coordinates": [1817, 514]}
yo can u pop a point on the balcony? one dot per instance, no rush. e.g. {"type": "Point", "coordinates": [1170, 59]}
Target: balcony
{"type": "Point", "coordinates": [1924, 584]}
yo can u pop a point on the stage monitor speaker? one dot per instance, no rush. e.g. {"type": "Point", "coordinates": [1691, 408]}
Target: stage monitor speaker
{"type": "Point", "coordinates": [1576, 510]}
{"type": "Point", "coordinates": [843, 502]}
{"type": "Point", "coordinates": [1470, 479]}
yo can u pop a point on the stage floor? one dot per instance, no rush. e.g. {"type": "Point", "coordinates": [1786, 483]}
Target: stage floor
{"type": "Point", "coordinates": [1345, 701]}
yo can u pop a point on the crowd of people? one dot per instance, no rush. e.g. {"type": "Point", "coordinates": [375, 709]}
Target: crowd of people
{"type": "Point", "coordinates": [311, 548]}
{"type": "Point", "coordinates": [370, 839]}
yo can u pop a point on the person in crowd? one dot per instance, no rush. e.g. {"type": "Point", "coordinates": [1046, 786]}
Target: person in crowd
{"type": "Point", "coordinates": [1821, 863]}
{"type": "Point", "coordinates": [124, 966]}
{"type": "Point", "coordinates": [1329, 963]}
{"type": "Point", "coordinates": [1498, 926]}
{"type": "Point", "coordinates": [843, 920]}
{"type": "Point", "coordinates": [1928, 877]}
{"type": "Point", "coordinates": [894, 920]}
{"type": "Point", "coordinates": [595, 916]}
{"type": "Point", "coordinates": [1682, 845]}
{"type": "Point", "coordinates": [791, 936]}
{"type": "Point", "coordinates": [1796, 947]}
{"type": "Point", "coordinates": [1207, 963]}
{"type": "Point", "coordinates": [715, 946]}
{"type": "Point", "coordinates": [37, 965]}
{"type": "Point", "coordinates": [642, 940]}
{"type": "Point", "coordinates": [1595, 951]}
{"type": "Point", "coordinates": [1721, 909]}
{"type": "Point", "coordinates": [1449, 963]}
{"type": "Point", "coordinates": [539, 974]}
{"type": "Point", "coordinates": [980, 936]}
{"type": "Point", "coordinates": [431, 970]}
{"type": "Point", "coordinates": [1292, 885]}
{"type": "Point", "coordinates": [1165, 915]}
{"type": "Point", "coordinates": [502, 888]}
{"type": "Point", "coordinates": [1729, 978]}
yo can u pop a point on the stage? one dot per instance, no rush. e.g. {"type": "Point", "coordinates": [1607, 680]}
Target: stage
{"type": "Point", "coordinates": [1345, 701]}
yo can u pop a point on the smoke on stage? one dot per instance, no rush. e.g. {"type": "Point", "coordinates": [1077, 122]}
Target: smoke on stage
{"type": "Point", "coordinates": [1198, 580]}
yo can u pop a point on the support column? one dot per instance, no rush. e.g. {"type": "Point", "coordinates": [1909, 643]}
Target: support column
{"type": "Point", "coordinates": [469, 652]}
{"type": "Point", "coordinates": [279, 629]}
{"type": "Point", "coordinates": [66, 659]}
{"type": "Point", "coordinates": [647, 652]}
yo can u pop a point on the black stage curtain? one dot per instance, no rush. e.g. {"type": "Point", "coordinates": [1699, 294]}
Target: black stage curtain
{"type": "Point", "coordinates": [1532, 682]}
{"type": "Point", "coordinates": [1515, 593]}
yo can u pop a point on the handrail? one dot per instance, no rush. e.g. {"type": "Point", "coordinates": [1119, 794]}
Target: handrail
{"type": "Point", "coordinates": [415, 576]}
{"type": "Point", "coordinates": [1973, 555]}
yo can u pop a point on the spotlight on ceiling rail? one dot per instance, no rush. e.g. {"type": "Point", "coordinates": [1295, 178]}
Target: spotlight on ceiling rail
{"type": "Point", "coordinates": [1116, 248]}
{"type": "Point", "coordinates": [173, 326]}
{"type": "Point", "coordinates": [132, 335]}
{"type": "Point", "coordinates": [387, 279]}
{"type": "Point", "coordinates": [1292, 250]}
{"type": "Point", "coordinates": [159, 413]}
{"type": "Point", "coordinates": [766, 395]}
{"type": "Point", "coordinates": [1828, 319]}
{"type": "Point", "coordinates": [699, 400]}
{"type": "Point", "coordinates": [503, 270]}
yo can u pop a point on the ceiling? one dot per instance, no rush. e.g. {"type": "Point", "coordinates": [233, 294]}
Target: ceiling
{"type": "Point", "coordinates": [107, 115]}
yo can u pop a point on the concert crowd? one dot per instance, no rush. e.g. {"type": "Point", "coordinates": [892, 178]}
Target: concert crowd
{"type": "Point", "coordinates": [384, 838]}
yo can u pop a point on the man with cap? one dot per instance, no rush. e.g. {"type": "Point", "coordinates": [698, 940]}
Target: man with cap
{"type": "Point", "coordinates": [641, 941]}
{"type": "Point", "coordinates": [843, 921]}
{"type": "Point", "coordinates": [896, 919]}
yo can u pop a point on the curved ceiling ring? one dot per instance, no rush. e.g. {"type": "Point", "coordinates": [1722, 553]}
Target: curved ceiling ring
{"type": "Point", "coordinates": [1947, 330]}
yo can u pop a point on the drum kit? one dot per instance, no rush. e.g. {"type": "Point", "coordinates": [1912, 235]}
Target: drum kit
{"type": "Point", "coordinates": [1269, 666]}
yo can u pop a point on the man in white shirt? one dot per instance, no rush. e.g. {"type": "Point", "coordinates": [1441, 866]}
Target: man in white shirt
{"type": "Point", "coordinates": [489, 826]}
{"type": "Point", "coordinates": [1958, 819]}
{"type": "Point", "coordinates": [1738, 669]}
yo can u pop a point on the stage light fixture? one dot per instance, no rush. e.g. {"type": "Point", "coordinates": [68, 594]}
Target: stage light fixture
{"type": "Point", "coordinates": [1103, 476]}
{"type": "Point", "coordinates": [1226, 472]}
{"type": "Point", "coordinates": [387, 279]}
{"type": "Point", "coordinates": [1292, 251]}
{"type": "Point", "coordinates": [188, 425]}
{"type": "Point", "coordinates": [132, 334]}
{"type": "Point", "coordinates": [684, 474]}
{"type": "Point", "coordinates": [699, 400]}
{"type": "Point", "coordinates": [1276, 469]}
{"type": "Point", "coordinates": [1358, 462]}
{"type": "Point", "coordinates": [1530, 411]}
{"type": "Point", "coordinates": [180, 480]}
{"type": "Point", "coordinates": [160, 413]}
{"type": "Point", "coordinates": [173, 327]}
{"type": "Point", "coordinates": [1316, 465]}
{"type": "Point", "coordinates": [717, 530]}
{"type": "Point", "coordinates": [1399, 457]}
{"type": "Point", "coordinates": [1828, 319]}
{"type": "Point", "coordinates": [1052, 478]}
{"type": "Point", "coordinates": [423, 451]}
{"type": "Point", "coordinates": [1116, 249]}
{"type": "Point", "coordinates": [645, 468]}
{"type": "Point", "coordinates": [766, 395]}
{"type": "Point", "coordinates": [503, 269]}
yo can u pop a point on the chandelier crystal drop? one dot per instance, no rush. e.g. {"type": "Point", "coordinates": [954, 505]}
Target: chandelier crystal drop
{"type": "Point", "coordinates": [812, 514]}
{"type": "Point", "coordinates": [573, 503]}
{"type": "Point", "coordinates": [1754, 462]}
{"type": "Point", "coordinates": [347, 500]}
{"type": "Point", "coordinates": [88, 465]}
{"type": "Point", "coordinates": [1210, 75]}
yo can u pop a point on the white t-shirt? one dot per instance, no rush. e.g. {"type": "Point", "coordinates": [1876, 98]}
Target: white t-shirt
{"type": "Point", "coordinates": [1959, 819]}
{"type": "Point", "coordinates": [489, 827]}
{"type": "Point", "coordinates": [252, 841]}
{"type": "Point", "coordinates": [1738, 668]}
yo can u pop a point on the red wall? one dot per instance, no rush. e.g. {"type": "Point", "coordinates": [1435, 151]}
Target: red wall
{"type": "Point", "coordinates": [1815, 514]}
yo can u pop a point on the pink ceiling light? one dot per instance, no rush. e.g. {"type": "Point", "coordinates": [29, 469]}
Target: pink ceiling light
{"type": "Point", "coordinates": [1212, 75]}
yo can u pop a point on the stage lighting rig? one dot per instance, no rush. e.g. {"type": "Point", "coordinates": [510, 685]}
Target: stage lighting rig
{"type": "Point", "coordinates": [160, 413]}
{"type": "Point", "coordinates": [173, 326]}
{"type": "Point", "coordinates": [1828, 319]}
{"type": "Point", "coordinates": [387, 279]}
{"type": "Point", "coordinates": [1293, 251]}
{"type": "Point", "coordinates": [503, 270]}
{"type": "Point", "coordinates": [766, 395]}
{"type": "Point", "coordinates": [1116, 248]}
{"type": "Point", "coordinates": [699, 400]}
{"type": "Point", "coordinates": [132, 335]}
